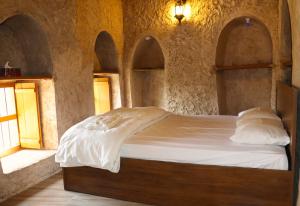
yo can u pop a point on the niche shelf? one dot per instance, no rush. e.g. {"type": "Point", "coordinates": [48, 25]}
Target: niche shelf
{"type": "Point", "coordinates": [148, 69]}
{"type": "Point", "coordinates": [40, 77]}
{"type": "Point", "coordinates": [105, 73]}
{"type": "Point", "coordinates": [246, 66]}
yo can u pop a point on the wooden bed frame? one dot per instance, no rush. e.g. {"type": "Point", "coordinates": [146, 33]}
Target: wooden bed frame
{"type": "Point", "coordinates": [166, 183]}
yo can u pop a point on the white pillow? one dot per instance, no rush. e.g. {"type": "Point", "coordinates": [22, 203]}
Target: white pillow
{"type": "Point", "coordinates": [257, 113]}
{"type": "Point", "coordinates": [248, 110]}
{"type": "Point", "coordinates": [255, 110]}
{"type": "Point", "coordinates": [248, 119]}
{"type": "Point", "coordinates": [261, 131]}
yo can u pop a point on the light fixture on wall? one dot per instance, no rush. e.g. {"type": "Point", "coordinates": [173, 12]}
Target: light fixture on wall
{"type": "Point", "coordinates": [179, 9]}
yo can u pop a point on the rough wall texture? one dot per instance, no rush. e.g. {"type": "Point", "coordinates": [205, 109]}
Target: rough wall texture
{"type": "Point", "coordinates": [10, 49]}
{"type": "Point", "coordinates": [71, 28]}
{"type": "Point", "coordinates": [190, 48]}
{"type": "Point", "coordinates": [13, 183]}
{"type": "Point", "coordinates": [295, 20]}
{"type": "Point", "coordinates": [148, 88]}
{"type": "Point", "coordinates": [48, 114]}
{"type": "Point", "coordinates": [244, 89]}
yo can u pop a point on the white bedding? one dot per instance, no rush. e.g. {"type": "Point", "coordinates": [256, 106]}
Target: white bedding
{"type": "Point", "coordinates": [96, 141]}
{"type": "Point", "coordinates": [201, 140]}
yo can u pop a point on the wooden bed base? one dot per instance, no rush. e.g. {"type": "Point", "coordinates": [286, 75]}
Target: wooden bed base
{"type": "Point", "coordinates": [166, 183]}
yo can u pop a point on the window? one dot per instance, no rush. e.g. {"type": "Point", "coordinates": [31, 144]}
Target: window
{"type": "Point", "coordinates": [102, 95]}
{"type": "Point", "coordinates": [9, 134]}
{"type": "Point", "coordinates": [19, 117]}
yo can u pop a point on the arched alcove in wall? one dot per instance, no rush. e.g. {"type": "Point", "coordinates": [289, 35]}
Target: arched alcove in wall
{"type": "Point", "coordinates": [24, 44]}
{"type": "Point", "coordinates": [148, 75]}
{"type": "Point", "coordinates": [106, 67]}
{"type": "Point", "coordinates": [286, 42]}
{"type": "Point", "coordinates": [106, 54]}
{"type": "Point", "coordinates": [244, 66]}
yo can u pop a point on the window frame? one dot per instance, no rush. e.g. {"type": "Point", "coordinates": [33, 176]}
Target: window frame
{"type": "Point", "coordinates": [8, 118]}
{"type": "Point", "coordinates": [26, 145]}
{"type": "Point", "coordinates": [100, 78]}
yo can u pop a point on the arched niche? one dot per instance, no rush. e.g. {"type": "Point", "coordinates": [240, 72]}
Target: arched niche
{"type": "Point", "coordinates": [148, 75]}
{"type": "Point", "coordinates": [106, 53]}
{"type": "Point", "coordinates": [148, 55]}
{"type": "Point", "coordinates": [242, 43]}
{"type": "Point", "coordinates": [24, 44]}
{"type": "Point", "coordinates": [285, 42]}
{"type": "Point", "coordinates": [244, 66]}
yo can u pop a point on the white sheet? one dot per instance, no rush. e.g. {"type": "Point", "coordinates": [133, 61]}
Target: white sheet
{"type": "Point", "coordinates": [201, 140]}
{"type": "Point", "coordinates": [96, 141]}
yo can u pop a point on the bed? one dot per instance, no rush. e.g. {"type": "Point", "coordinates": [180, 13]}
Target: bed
{"type": "Point", "coordinates": [188, 174]}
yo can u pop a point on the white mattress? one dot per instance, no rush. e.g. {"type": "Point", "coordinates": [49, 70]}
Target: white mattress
{"type": "Point", "coordinates": [201, 140]}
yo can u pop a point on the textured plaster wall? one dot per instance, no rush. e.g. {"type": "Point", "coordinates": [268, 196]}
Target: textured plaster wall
{"type": "Point", "coordinates": [10, 49]}
{"type": "Point", "coordinates": [71, 28]}
{"type": "Point", "coordinates": [48, 114]}
{"type": "Point", "coordinates": [148, 88]}
{"type": "Point", "coordinates": [285, 32]}
{"type": "Point", "coordinates": [190, 48]}
{"type": "Point", "coordinates": [244, 89]}
{"type": "Point", "coordinates": [14, 183]}
{"type": "Point", "coordinates": [294, 6]}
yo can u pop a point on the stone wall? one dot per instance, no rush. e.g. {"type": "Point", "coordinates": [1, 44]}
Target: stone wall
{"type": "Point", "coordinates": [190, 48]}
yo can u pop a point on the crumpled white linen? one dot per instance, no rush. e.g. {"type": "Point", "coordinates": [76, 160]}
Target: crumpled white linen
{"type": "Point", "coordinates": [96, 141]}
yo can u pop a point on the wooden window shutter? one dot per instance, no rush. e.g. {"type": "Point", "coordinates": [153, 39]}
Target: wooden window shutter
{"type": "Point", "coordinates": [102, 95]}
{"type": "Point", "coordinates": [28, 115]}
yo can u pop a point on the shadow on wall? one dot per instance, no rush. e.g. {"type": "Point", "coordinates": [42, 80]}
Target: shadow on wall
{"type": "Point", "coordinates": [24, 44]}
{"type": "Point", "coordinates": [106, 54]}
{"type": "Point", "coordinates": [148, 74]}
{"type": "Point", "coordinates": [244, 66]}
{"type": "Point", "coordinates": [286, 42]}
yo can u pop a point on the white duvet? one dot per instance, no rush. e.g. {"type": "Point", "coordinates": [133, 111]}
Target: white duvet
{"type": "Point", "coordinates": [96, 141]}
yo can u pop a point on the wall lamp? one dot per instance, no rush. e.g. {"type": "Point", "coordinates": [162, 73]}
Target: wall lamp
{"type": "Point", "coordinates": [179, 9]}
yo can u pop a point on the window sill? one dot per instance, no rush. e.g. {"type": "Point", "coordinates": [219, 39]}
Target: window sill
{"type": "Point", "coordinates": [23, 158]}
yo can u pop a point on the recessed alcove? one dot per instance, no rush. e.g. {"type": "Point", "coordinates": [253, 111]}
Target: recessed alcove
{"type": "Point", "coordinates": [244, 66]}
{"type": "Point", "coordinates": [148, 74]}
{"type": "Point", "coordinates": [106, 54]}
{"type": "Point", "coordinates": [106, 65]}
{"type": "Point", "coordinates": [24, 44]}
